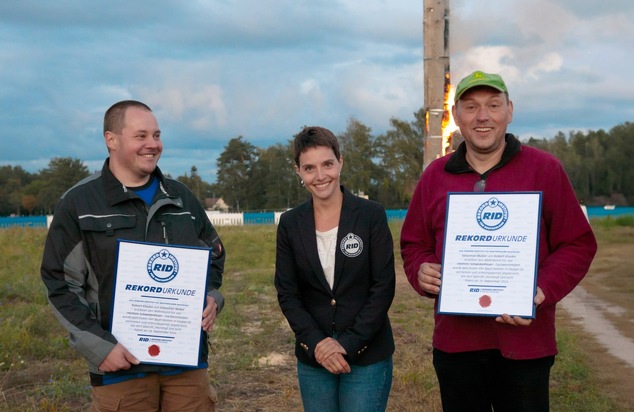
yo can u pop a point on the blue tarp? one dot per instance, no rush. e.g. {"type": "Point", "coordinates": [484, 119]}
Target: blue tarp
{"type": "Point", "coordinates": [268, 218]}
{"type": "Point", "coordinates": [23, 221]}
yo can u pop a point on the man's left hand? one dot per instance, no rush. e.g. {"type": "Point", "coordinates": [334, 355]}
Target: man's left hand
{"type": "Point", "coordinates": [209, 314]}
{"type": "Point", "coordinates": [517, 320]}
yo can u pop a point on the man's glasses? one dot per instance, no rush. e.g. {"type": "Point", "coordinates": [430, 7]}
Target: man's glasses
{"type": "Point", "coordinates": [480, 185]}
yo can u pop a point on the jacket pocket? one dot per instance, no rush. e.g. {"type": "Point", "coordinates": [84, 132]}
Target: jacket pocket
{"type": "Point", "coordinates": [106, 224]}
{"type": "Point", "coordinates": [180, 228]}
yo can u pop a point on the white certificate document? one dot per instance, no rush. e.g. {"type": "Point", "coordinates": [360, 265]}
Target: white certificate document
{"type": "Point", "coordinates": [489, 264]}
{"type": "Point", "coordinates": [159, 296]}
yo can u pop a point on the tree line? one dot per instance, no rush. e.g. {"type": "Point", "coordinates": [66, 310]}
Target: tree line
{"type": "Point", "coordinates": [384, 167]}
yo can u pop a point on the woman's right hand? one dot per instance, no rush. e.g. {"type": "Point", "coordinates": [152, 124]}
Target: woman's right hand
{"type": "Point", "coordinates": [329, 354]}
{"type": "Point", "coordinates": [336, 364]}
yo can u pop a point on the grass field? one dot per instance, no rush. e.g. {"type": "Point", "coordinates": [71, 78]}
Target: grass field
{"type": "Point", "coordinates": [251, 360]}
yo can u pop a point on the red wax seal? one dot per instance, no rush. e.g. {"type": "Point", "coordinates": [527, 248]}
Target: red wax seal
{"type": "Point", "coordinates": [485, 301]}
{"type": "Point", "coordinates": [154, 350]}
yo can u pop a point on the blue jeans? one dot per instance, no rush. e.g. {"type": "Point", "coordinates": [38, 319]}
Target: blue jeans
{"type": "Point", "coordinates": [364, 389]}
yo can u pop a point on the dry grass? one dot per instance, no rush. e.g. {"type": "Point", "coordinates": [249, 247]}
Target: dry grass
{"type": "Point", "coordinates": [251, 360]}
{"type": "Point", "coordinates": [253, 365]}
{"type": "Point", "coordinates": [611, 278]}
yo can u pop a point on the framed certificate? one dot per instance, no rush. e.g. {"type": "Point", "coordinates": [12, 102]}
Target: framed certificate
{"type": "Point", "coordinates": [489, 263]}
{"type": "Point", "coordinates": [159, 295]}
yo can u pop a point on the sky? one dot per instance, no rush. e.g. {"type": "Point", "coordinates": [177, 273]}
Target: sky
{"type": "Point", "coordinates": [213, 70]}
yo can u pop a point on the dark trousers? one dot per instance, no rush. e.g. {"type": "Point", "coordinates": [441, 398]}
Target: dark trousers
{"type": "Point", "coordinates": [482, 381]}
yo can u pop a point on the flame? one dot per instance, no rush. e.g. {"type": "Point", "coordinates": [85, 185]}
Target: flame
{"type": "Point", "coordinates": [448, 125]}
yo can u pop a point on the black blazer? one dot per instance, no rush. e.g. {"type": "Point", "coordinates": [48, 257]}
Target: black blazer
{"type": "Point", "coordinates": [355, 310]}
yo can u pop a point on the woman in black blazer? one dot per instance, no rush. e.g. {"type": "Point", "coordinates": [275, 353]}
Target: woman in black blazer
{"type": "Point", "coordinates": [334, 276]}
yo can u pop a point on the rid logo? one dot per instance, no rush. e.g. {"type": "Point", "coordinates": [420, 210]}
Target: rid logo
{"type": "Point", "coordinates": [492, 214]}
{"type": "Point", "coordinates": [162, 266]}
{"type": "Point", "coordinates": [351, 245]}
{"type": "Point", "coordinates": [474, 290]}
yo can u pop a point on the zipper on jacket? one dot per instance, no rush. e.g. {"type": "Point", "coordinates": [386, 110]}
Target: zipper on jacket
{"type": "Point", "coordinates": [165, 233]}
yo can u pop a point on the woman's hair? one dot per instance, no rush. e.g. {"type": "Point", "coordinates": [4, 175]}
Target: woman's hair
{"type": "Point", "coordinates": [314, 136]}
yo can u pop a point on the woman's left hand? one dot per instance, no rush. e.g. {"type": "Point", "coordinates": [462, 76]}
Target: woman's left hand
{"type": "Point", "coordinates": [329, 353]}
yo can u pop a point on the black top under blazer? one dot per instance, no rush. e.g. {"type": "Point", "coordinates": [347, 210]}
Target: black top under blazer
{"type": "Point", "coordinates": [355, 311]}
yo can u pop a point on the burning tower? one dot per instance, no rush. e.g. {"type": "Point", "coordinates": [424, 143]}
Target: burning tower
{"type": "Point", "coordinates": [437, 81]}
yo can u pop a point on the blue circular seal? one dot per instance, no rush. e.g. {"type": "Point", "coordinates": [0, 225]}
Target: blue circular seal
{"type": "Point", "coordinates": [492, 214]}
{"type": "Point", "coordinates": [162, 266]}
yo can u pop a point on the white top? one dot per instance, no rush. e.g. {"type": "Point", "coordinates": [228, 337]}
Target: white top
{"type": "Point", "coordinates": [326, 247]}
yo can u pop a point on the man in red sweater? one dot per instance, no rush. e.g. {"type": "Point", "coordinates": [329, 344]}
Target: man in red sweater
{"type": "Point", "coordinates": [502, 361]}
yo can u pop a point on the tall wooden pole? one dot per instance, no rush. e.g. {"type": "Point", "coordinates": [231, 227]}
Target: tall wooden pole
{"type": "Point", "coordinates": [436, 74]}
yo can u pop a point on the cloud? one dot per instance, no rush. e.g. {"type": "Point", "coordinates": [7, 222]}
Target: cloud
{"type": "Point", "coordinates": [214, 70]}
{"type": "Point", "coordinates": [559, 59]}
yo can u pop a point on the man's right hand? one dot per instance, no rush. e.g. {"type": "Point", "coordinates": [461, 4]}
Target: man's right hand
{"type": "Point", "coordinates": [119, 358]}
{"type": "Point", "coordinates": [429, 277]}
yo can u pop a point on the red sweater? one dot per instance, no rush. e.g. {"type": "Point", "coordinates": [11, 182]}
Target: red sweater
{"type": "Point", "coordinates": [566, 245]}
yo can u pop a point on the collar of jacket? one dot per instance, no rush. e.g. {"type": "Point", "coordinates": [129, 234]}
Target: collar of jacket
{"type": "Point", "coordinates": [457, 163]}
{"type": "Point", "coordinates": [116, 192]}
{"type": "Point", "coordinates": [347, 222]}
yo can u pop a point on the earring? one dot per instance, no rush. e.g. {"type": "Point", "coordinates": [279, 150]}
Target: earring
{"type": "Point", "coordinates": [302, 182]}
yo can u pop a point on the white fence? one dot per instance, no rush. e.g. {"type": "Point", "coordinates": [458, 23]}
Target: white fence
{"type": "Point", "coordinates": [237, 219]}
{"type": "Point", "coordinates": [225, 219]}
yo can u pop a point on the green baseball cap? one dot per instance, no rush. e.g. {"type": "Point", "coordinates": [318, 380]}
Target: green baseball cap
{"type": "Point", "coordinates": [479, 78]}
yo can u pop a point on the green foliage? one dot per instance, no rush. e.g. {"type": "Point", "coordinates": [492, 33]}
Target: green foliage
{"type": "Point", "coordinates": [573, 384]}
{"type": "Point", "coordinates": [253, 246]}
{"type": "Point", "coordinates": [611, 222]}
{"type": "Point", "coordinates": [386, 167]}
{"type": "Point", "coordinates": [598, 163]}
{"type": "Point", "coordinates": [235, 168]}
{"type": "Point", "coordinates": [625, 220]}
{"type": "Point", "coordinates": [52, 182]}
{"type": "Point", "coordinates": [275, 185]}
{"type": "Point", "coordinates": [26, 324]}
{"type": "Point", "coordinates": [18, 268]}
{"type": "Point", "coordinates": [360, 172]}
{"type": "Point", "coordinates": [13, 181]}
{"type": "Point", "coordinates": [401, 154]}
{"type": "Point", "coordinates": [196, 184]}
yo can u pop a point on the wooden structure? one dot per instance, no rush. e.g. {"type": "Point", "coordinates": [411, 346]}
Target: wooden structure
{"type": "Point", "coordinates": [436, 75]}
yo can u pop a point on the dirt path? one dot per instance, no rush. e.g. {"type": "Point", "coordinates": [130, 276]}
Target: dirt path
{"type": "Point", "coordinates": [610, 352]}
{"type": "Point", "coordinates": [588, 311]}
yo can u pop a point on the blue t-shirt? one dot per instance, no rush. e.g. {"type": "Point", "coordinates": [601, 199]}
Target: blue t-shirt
{"type": "Point", "coordinates": [147, 191]}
